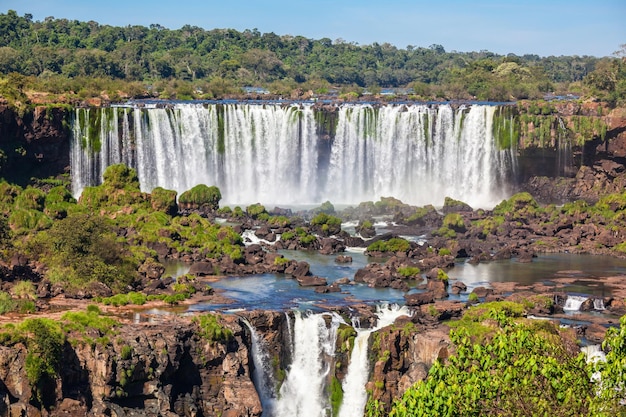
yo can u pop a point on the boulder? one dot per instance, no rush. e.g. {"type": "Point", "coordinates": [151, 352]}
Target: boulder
{"type": "Point", "coordinates": [201, 269]}
{"type": "Point", "coordinates": [310, 281]}
{"type": "Point", "coordinates": [343, 259]}
{"type": "Point", "coordinates": [418, 299]}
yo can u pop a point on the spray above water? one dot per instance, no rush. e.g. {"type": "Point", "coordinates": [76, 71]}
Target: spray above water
{"type": "Point", "coordinates": [277, 155]}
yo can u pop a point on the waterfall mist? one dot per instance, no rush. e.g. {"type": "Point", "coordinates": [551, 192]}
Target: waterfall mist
{"type": "Point", "coordinates": [276, 154]}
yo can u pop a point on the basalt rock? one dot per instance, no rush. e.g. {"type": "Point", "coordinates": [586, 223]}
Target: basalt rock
{"type": "Point", "coordinates": [163, 369]}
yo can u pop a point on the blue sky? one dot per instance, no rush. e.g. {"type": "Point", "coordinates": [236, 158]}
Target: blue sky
{"type": "Point", "coordinates": [542, 27]}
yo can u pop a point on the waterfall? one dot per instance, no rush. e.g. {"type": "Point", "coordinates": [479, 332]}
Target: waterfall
{"type": "Point", "coordinates": [302, 394]}
{"type": "Point", "coordinates": [262, 376]}
{"type": "Point", "coordinates": [355, 396]}
{"type": "Point", "coordinates": [574, 302]}
{"type": "Point", "coordinates": [598, 304]}
{"type": "Point", "coordinates": [274, 154]}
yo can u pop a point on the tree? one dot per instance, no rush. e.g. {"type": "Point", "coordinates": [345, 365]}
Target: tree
{"type": "Point", "coordinates": [82, 248]}
{"type": "Point", "coordinates": [504, 365]}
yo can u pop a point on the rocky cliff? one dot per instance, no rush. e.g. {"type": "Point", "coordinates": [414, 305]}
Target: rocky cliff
{"type": "Point", "coordinates": [159, 368]}
{"type": "Point", "coordinates": [35, 144]}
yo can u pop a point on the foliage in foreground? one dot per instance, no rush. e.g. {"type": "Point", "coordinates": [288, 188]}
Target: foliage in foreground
{"type": "Point", "coordinates": [509, 366]}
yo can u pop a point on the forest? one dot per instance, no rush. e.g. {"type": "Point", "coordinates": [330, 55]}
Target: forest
{"type": "Point", "coordinates": [82, 59]}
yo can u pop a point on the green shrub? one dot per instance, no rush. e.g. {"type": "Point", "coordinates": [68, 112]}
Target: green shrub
{"type": "Point", "coordinates": [517, 368]}
{"type": "Point", "coordinates": [395, 244]}
{"type": "Point", "coordinates": [210, 329]}
{"type": "Point", "coordinates": [45, 342]}
{"type": "Point", "coordinates": [326, 207]}
{"type": "Point", "coordinates": [30, 199]}
{"type": "Point", "coordinates": [445, 232]}
{"type": "Point", "coordinates": [408, 271]}
{"type": "Point", "coordinates": [523, 202]}
{"type": "Point", "coordinates": [164, 200]}
{"type": "Point", "coordinates": [83, 248]}
{"type": "Point", "coordinates": [442, 275]}
{"type": "Point", "coordinates": [454, 221]}
{"type": "Point", "coordinates": [58, 195]}
{"type": "Point", "coordinates": [85, 321]}
{"type": "Point", "coordinates": [7, 303]}
{"type": "Point", "coordinates": [203, 196]}
{"type": "Point", "coordinates": [323, 218]}
{"type": "Point", "coordinates": [28, 220]}
{"type": "Point", "coordinates": [444, 252]}
{"type": "Point", "coordinates": [255, 210]}
{"type": "Point", "coordinates": [307, 239]}
{"type": "Point", "coordinates": [120, 176]}
{"type": "Point", "coordinates": [420, 215]}
{"type": "Point", "coordinates": [126, 352]}
{"type": "Point", "coordinates": [24, 289]}
{"type": "Point", "coordinates": [132, 297]}
{"type": "Point", "coordinates": [336, 395]}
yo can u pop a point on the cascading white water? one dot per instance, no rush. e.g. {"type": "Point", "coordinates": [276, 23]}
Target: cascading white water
{"type": "Point", "coordinates": [598, 304]}
{"type": "Point", "coordinates": [574, 302]}
{"type": "Point", "coordinates": [355, 396]}
{"type": "Point", "coordinates": [302, 394]}
{"type": "Point", "coordinates": [262, 376]}
{"type": "Point", "coordinates": [304, 391]}
{"type": "Point", "coordinates": [274, 155]}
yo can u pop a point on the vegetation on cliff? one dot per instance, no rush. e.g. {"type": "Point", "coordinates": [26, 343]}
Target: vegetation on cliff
{"type": "Point", "coordinates": [103, 243]}
{"type": "Point", "coordinates": [509, 365]}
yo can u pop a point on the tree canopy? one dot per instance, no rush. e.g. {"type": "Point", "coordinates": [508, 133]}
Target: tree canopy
{"type": "Point", "coordinates": [218, 61]}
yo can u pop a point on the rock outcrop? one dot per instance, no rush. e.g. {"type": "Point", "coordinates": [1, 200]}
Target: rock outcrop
{"type": "Point", "coordinates": [163, 368]}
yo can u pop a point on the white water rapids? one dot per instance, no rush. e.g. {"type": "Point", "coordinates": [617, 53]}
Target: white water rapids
{"type": "Point", "coordinates": [276, 154]}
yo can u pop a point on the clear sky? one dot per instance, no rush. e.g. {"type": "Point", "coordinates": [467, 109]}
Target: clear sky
{"type": "Point", "coordinates": [542, 27]}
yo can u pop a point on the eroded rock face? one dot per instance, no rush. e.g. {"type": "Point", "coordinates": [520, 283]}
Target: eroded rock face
{"type": "Point", "coordinates": [163, 369]}
{"type": "Point", "coordinates": [43, 139]}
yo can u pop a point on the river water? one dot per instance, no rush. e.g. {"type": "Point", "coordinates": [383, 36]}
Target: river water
{"type": "Point", "coordinates": [278, 292]}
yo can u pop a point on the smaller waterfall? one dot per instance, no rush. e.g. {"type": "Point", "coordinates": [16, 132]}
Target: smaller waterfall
{"type": "Point", "coordinates": [302, 394]}
{"type": "Point", "coordinates": [593, 353]}
{"type": "Point", "coordinates": [289, 333]}
{"type": "Point", "coordinates": [262, 376]}
{"type": "Point", "coordinates": [355, 396]}
{"type": "Point", "coordinates": [574, 302]}
{"type": "Point", "coordinates": [598, 304]}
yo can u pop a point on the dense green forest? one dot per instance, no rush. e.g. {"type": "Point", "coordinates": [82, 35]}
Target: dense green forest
{"type": "Point", "coordinates": [63, 56]}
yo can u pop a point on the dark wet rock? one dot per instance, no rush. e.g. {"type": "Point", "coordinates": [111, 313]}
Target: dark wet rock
{"type": "Point", "coordinates": [458, 287]}
{"type": "Point", "coordinates": [310, 281]}
{"type": "Point", "coordinates": [595, 332]}
{"type": "Point", "coordinates": [201, 269]}
{"type": "Point", "coordinates": [334, 287]}
{"type": "Point", "coordinates": [343, 259]}
{"type": "Point", "coordinates": [331, 245]}
{"type": "Point", "coordinates": [366, 229]}
{"type": "Point", "coordinates": [454, 206]}
{"type": "Point", "coordinates": [298, 269]}
{"type": "Point", "coordinates": [482, 292]}
{"type": "Point", "coordinates": [438, 288]}
{"type": "Point", "coordinates": [152, 269]}
{"type": "Point", "coordinates": [343, 281]}
{"type": "Point", "coordinates": [418, 299]}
